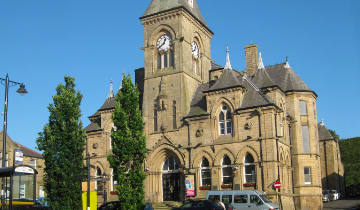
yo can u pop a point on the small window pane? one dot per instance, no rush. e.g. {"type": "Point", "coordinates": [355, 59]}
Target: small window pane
{"type": "Point", "coordinates": [227, 180]}
{"type": "Point", "coordinates": [307, 175]}
{"type": "Point", "coordinates": [303, 110]}
{"type": "Point", "coordinates": [159, 61]}
{"type": "Point", "coordinates": [255, 199]}
{"type": "Point", "coordinates": [240, 198]}
{"type": "Point", "coordinates": [165, 61]}
{"type": "Point", "coordinates": [306, 140]}
{"type": "Point", "coordinates": [249, 158]}
{"type": "Point", "coordinates": [226, 161]}
{"type": "Point", "coordinates": [205, 163]}
{"type": "Point", "coordinates": [221, 116]}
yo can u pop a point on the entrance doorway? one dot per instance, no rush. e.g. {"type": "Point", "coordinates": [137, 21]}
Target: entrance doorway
{"type": "Point", "coordinates": [171, 179]}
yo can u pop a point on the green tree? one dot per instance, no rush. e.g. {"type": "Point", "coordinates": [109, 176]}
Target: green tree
{"type": "Point", "coordinates": [62, 142]}
{"type": "Point", "coordinates": [349, 149]}
{"type": "Point", "coordinates": [334, 134]}
{"type": "Point", "coordinates": [128, 147]}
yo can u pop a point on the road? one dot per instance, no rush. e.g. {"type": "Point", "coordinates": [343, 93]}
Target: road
{"type": "Point", "coordinates": [353, 204]}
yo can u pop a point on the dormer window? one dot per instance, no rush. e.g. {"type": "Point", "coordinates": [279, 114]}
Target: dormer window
{"type": "Point", "coordinates": [225, 120]}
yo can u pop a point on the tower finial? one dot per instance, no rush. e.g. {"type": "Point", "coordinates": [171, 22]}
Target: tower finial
{"type": "Point", "coordinates": [287, 65]}
{"type": "Point", "coordinates": [111, 92]}
{"type": "Point", "coordinates": [260, 64]}
{"type": "Point", "coordinates": [322, 123]}
{"type": "Point", "coordinates": [227, 64]}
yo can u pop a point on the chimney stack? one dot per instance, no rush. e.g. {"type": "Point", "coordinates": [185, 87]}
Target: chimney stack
{"type": "Point", "coordinates": [251, 56]}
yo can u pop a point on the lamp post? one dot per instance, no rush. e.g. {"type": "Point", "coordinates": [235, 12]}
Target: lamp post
{"type": "Point", "coordinates": [21, 91]}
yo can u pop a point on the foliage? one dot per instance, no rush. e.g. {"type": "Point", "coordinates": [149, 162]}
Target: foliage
{"type": "Point", "coordinates": [128, 147]}
{"type": "Point", "coordinates": [62, 142]}
{"type": "Point", "coordinates": [349, 149]}
{"type": "Point", "coordinates": [334, 134]}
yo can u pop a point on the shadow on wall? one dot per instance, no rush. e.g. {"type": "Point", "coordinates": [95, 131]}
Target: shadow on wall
{"type": "Point", "coordinates": [334, 182]}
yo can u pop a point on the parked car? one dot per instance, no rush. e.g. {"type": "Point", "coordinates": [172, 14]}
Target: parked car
{"type": "Point", "coordinates": [329, 195]}
{"type": "Point", "coordinates": [325, 196]}
{"type": "Point", "coordinates": [242, 199]}
{"type": "Point", "coordinates": [335, 195]}
{"type": "Point", "coordinates": [200, 205]}
{"type": "Point", "coordinates": [113, 205]}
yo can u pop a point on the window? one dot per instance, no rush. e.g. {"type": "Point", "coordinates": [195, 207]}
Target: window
{"type": "Point", "coordinates": [240, 198]}
{"type": "Point", "coordinates": [174, 115]}
{"type": "Point", "coordinates": [305, 138]}
{"type": "Point", "coordinates": [307, 175]}
{"type": "Point", "coordinates": [33, 163]}
{"type": "Point", "coordinates": [99, 184]}
{"type": "Point", "coordinates": [155, 118]}
{"type": "Point", "coordinates": [303, 108]}
{"type": "Point", "coordinates": [227, 198]}
{"type": "Point", "coordinates": [214, 197]}
{"type": "Point", "coordinates": [110, 142]}
{"type": "Point", "coordinates": [249, 169]}
{"type": "Point", "coordinates": [225, 121]}
{"type": "Point", "coordinates": [171, 164]}
{"type": "Point", "coordinates": [226, 170]}
{"type": "Point", "coordinates": [165, 52]}
{"type": "Point", "coordinates": [255, 199]}
{"type": "Point", "coordinates": [205, 173]}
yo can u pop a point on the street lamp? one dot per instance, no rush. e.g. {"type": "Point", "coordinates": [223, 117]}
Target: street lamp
{"type": "Point", "coordinates": [21, 91]}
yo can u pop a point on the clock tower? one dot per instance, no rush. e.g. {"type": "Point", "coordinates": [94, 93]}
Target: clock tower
{"type": "Point", "coordinates": [177, 60]}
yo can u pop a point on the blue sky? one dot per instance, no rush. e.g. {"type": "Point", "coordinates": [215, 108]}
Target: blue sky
{"type": "Point", "coordinates": [95, 41]}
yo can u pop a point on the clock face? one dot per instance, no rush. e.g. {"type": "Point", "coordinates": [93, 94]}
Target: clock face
{"type": "Point", "coordinates": [164, 43]}
{"type": "Point", "coordinates": [195, 50]}
{"type": "Point", "coordinates": [191, 3]}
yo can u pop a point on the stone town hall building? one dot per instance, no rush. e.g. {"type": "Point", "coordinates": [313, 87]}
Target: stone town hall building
{"type": "Point", "coordinates": [234, 130]}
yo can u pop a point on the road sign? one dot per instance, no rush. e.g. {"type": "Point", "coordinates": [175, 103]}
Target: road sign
{"type": "Point", "coordinates": [277, 184]}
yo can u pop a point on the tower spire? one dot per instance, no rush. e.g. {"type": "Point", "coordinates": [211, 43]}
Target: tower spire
{"type": "Point", "coordinates": [111, 92]}
{"type": "Point", "coordinates": [227, 64]}
{"type": "Point", "coordinates": [287, 65]}
{"type": "Point", "coordinates": [260, 64]}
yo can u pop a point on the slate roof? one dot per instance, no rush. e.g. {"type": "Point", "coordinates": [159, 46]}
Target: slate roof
{"type": "Point", "coordinates": [108, 104]}
{"type": "Point", "coordinates": [228, 79]}
{"type": "Point", "coordinates": [324, 133]}
{"type": "Point", "coordinates": [286, 78]}
{"type": "Point", "coordinates": [277, 75]}
{"type": "Point", "coordinates": [27, 151]}
{"type": "Point", "coordinates": [95, 119]}
{"type": "Point", "coordinates": [158, 6]}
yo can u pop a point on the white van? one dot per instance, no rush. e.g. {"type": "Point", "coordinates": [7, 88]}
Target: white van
{"type": "Point", "coordinates": [243, 199]}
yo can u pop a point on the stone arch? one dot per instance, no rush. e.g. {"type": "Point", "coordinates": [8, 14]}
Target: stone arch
{"type": "Point", "coordinates": [197, 37]}
{"type": "Point", "coordinates": [156, 159]}
{"type": "Point", "coordinates": [199, 156]}
{"type": "Point", "coordinates": [157, 33]}
{"type": "Point", "coordinates": [219, 156]}
{"type": "Point", "coordinates": [215, 109]}
{"type": "Point", "coordinates": [240, 157]}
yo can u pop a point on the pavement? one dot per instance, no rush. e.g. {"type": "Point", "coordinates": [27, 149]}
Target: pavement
{"type": "Point", "coordinates": [345, 204]}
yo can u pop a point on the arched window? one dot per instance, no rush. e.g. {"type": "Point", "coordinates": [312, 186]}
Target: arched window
{"type": "Point", "coordinates": [174, 115]}
{"type": "Point", "coordinates": [226, 170]}
{"type": "Point", "coordinates": [225, 120]}
{"type": "Point", "coordinates": [196, 56]}
{"type": "Point", "coordinates": [205, 173]}
{"type": "Point", "coordinates": [249, 169]}
{"type": "Point", "coordinates": [171, 165]}
{"type": "Point", "coordinates": [155, 118]}
{"type": "Point", "coordinates": [165, 51]}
